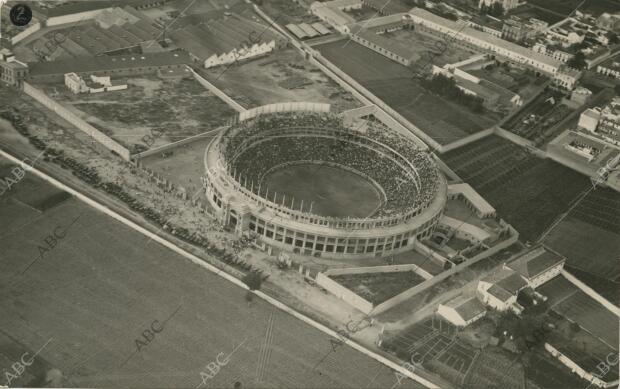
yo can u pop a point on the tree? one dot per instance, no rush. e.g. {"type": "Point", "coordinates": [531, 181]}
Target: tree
{"type": "Point", "coordinates": [495, 9]}
{"type": "Point", "coordinates": [613, 38]}
{"type": "Point", "coordinates": [617, 90]}
{"type": "Point", "coordinates": [578, 61]}
{"type": "Point", "coordinates": [253, 280]}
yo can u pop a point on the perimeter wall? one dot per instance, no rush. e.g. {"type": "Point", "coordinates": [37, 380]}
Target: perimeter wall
{"type": "Point", "coordinates": [61, 111]}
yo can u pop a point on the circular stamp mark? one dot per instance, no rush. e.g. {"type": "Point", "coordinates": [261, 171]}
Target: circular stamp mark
{"type": "Point", "coordinates": [20, 15]}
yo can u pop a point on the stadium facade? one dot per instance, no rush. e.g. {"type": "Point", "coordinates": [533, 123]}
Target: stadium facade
{"type": "Point", "coordinates": [412, 188]}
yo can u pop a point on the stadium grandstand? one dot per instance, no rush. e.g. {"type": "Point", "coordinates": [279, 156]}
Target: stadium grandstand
{"type": "Point", "coordinates": [412, 189]}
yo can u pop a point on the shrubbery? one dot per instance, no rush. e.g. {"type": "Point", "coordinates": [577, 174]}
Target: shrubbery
{"type": "Point", "coordinates": [446, 87]}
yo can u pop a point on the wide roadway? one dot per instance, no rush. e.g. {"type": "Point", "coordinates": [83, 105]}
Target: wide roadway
{"type": "Point", "coordinates": [92, 296]}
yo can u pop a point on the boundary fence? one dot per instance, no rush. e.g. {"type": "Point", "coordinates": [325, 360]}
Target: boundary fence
{"type": "Point", "coordinates": [72, 118]}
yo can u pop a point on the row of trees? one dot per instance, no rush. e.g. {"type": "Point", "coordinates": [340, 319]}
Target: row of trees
{"type": "Point", "coordinates": [446, 87]}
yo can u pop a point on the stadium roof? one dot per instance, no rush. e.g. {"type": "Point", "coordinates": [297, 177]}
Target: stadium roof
{"type": "Point", "coordinates": [101, 63]}
{"type": "Point", "coordinates": [535, 262]}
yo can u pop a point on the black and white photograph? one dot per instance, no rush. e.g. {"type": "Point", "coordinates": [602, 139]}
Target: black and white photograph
{"type": "Point", "coordinates": [310, 194]}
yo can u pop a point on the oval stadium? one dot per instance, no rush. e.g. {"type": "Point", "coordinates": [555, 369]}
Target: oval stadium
{"type": "Point", "coordinates": [315, 184]}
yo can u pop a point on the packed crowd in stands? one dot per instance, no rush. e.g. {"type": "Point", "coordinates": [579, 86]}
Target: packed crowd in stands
{"type": "Point", "coordinates": [251, 153]}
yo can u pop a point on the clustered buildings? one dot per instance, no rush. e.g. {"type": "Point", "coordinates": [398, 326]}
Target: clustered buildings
{"type": "Point", "coordinates": [603, 123]}
{"type": "Point", "coordinates": [499, 290]}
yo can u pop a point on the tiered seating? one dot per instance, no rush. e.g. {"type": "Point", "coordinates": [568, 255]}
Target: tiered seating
{"type": "Point", "coordinates": [255, 146]}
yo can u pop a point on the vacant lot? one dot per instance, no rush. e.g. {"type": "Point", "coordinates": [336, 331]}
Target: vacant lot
{"type": "Point", "coordinates": [434, 343]}
{"type": "Point", "coordinates": [590, 239]}
{"type": "Point", "coordinates": [591, 315]}
{"type": "Point", "coordinates": [167, 110]}
{"type": "Point", "coordinates": [565, 7]}
{"type": "Point", "coordinates": [442, 120]}
{"type": "Point", "coordinates": [379, 287]}
{"type": "Point", "coordinates": [92, 296]}
{"type": "Point", "coordinates": [280, 77]}
{"type": "Point", "coordinates": [528, 192]}
{"type": "Point", "coordinates": [528, 11]}
{"type": "Point", "coordinates": [422, 46]}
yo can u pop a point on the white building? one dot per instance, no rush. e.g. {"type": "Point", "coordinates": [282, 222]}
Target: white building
{"type": "Point", "coordinates": [604, 122]}
{"type": "Point", "coordinates": [506, 4]}
{"type": "Point", "coordinates": [481, 41]}
{"type": "Point", "coordinates": [588, 120]}
{"type": "Point", "coordinates": [500, 290]}
{"type": "Point", "coordinates": [538, 266]}
{"type": "Point", "coordinates": [567, 78]}
{"type": "Point", "coordinates": [333, 13]}
{"type": "Point", "coordinates": [462, 311]}
{"type": "Point", "coordinates": [77, 84]}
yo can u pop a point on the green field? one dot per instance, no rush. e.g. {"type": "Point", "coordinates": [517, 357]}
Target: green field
{"type": "Point", "coordinates": [103, 284]}
{"type": "Point", "coordinates": [565, 7]}
{"type": "Point", "coordinates": [331, 191]}
{"type": "Point", "coordinates": [379, 287]}
{"type": "Point", "coordinates": [590, 239]}
{"type": "Point", "coordinates": [167, 110]}
{"type": "Point", "coordinates": [591, 315]}
{"type": "Point", "coordinates": [392, 82]}
{"type": "Point", "coordinates": [527, 192]}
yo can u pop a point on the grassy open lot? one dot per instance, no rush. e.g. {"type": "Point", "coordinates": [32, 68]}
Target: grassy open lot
{"type": "Point", "coordinates": [528, 192]}
{"type": "Point", "coordinates": [590, 315]}
{"type": "Point", "coordinates": [547, 372]}
{"type": "Point", "coordinates": [545, 14]}
{"type": "Point", "coordinates": [590, 239]}
{"type": "Point", "coordinates": [434, 343]}
{"type": "Point", "coordinates": [279, 77]}
{"type": "Point", "coordinates": [103, 284]}
{"type": "Point", "coordinates": [495, 368]}
{"type": "Point", "coordinates": [331, 191]}
{"type": "Point", "coordinates": [587, 247]}
{"type": "Point", "coordinates": [175, 109]}
{"type": "Point", "coordinates": [557, 290]}
{"type": "Point", "coordinates": [442, 120]}
{"type": "Point", "coordinates": [565, 7]}
{"type": "Point", "coordinates": [422, 44]}
{"type": "Point", "coordinates": [379, 287]}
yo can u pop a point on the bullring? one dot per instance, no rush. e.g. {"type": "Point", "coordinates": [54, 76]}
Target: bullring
{"type": "Point", "coordinates": [411, 189]}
